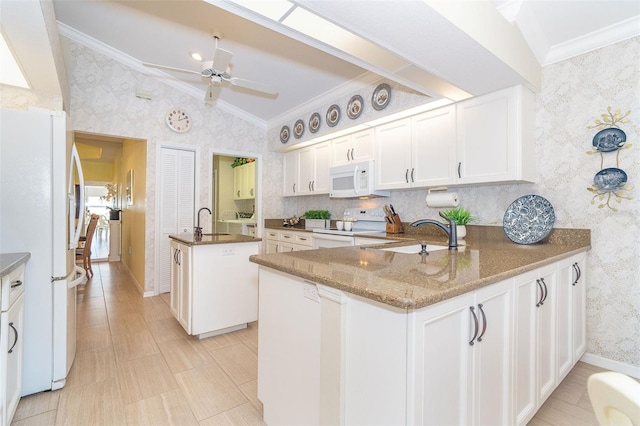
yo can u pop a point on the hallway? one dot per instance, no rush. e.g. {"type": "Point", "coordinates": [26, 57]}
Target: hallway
{"type": "Point", "coordinates": [135, 365]}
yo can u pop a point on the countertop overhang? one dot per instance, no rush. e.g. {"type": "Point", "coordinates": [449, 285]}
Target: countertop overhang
{"type": "Point", "coordinates": [413, 281]}
{"type": "Point", "coordinates": [191, 240]}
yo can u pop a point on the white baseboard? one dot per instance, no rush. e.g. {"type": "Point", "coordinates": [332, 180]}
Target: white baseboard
{"type": "Point", "coordinates": [137, 284]}
{"type": "Point", "coordinates": [149, 294]}
{"type": "Point", "coordinates": [609, 364]}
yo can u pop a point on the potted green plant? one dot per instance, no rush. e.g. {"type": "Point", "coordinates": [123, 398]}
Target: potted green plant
{"type": "Point", "coordinates": [461, 217]}
{"type": "Point", "coordinates": [317, 219]}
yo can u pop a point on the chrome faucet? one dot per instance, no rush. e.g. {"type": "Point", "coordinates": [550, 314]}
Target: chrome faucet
{"type": "Point", "coordinates": [450, 230]}
{"type": "Point", "coordinates": [198, 230]}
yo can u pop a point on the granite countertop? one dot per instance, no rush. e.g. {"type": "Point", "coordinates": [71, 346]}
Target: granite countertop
{"type": "Point", "coordinates": [10, 261]}
{"type": "Point", "coordinates": [413, 281]}
{"type": "Point", "coordinates": [191, 240]}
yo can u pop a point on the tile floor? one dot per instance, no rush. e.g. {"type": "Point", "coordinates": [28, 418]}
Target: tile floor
{"type": "Point", "coordinates": [135, 365]}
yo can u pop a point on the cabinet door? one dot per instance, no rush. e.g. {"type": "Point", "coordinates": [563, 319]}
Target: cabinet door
{"type": "Point", "coordinates": [564, 307]}
{"type": "Point", "coordinates": [486, 132]}
{"type": "Point", "coordinates": [362, 145]}
{"type": "Point", "coordinates": [393, 154]}
{"type": "Point", "coordinates": [306, 170]}
{"type": "Point", "coordinates": [322, 157]}
{"type": "Point", "coordinates": [12, 355]}
{"type": "Point", "coordinates": [432, 148]}
{"type": "Point", "coordinates": [492, 355]}
{"type": "Point", "coordinates": [238, 182]}
{"type": "Point", "coordinates": [341, 150]}
{"type": "Point", "coordinates": [546, 338]}
{"type": "Point", "coordinates": [174, 302]}
{"type": "Point", "coordinates": [250, 180]}
{"type": "Point", "coordinates": [578, 311]}
{"type": "Point", "coordinates": [290, 173]}
{"type": "Point", "coordinates": [441, 336]}
{"type": "Point", "coordinates": [185, 287]}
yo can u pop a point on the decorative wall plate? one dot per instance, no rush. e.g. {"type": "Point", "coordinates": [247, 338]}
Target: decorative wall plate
{"type": "Point", "coordinates": [610, 179]}
{"type": "Point", "coordinates": [610, 139]}
{"type": "Point", "coordinates": [314, 122]}
{"type": "Point", "coordinates": [285, 133]}
{"type": "Point", "coordinates": [528, 219]}
{"type": "Point", "coordinates": [333, 115]}
{"type": "Point", "coordinates": [298, 129]}
{"type": "Point", "coordinates": [381, 96]}
{"type": "Point", "coordinates": [354, 108]}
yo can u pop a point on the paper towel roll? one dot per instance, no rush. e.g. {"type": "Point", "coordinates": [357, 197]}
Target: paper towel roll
{"type": "Point", "coordinates": [443, 199]}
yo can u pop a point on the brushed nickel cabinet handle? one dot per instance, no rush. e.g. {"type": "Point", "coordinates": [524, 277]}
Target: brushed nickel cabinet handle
{"type": "Point", "coordinates": [484, 322]}
{"type": "Point", "coordinates": [475, 321]}
{"type": "Point", "coordinates": [16, 333]}
{"type": "Point", "coordinates": [459, 166]}
{"type": "Point", "coordinates": [16, 283]}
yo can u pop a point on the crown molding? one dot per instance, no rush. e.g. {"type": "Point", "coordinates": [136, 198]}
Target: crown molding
{"type": "Point", "coordinates": [165, 78]}
{"type": "Point", "coordinates": [595, 40]}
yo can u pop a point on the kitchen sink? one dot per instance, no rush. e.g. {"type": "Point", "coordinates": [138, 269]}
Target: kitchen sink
{"type": "Point", "coordinates": [414, 249]}
{"type": "Point", "coordinates": [215, 235]}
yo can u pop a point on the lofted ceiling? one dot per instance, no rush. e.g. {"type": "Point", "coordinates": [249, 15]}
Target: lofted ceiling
{"type": "Point", "coordinates": [402, 41]}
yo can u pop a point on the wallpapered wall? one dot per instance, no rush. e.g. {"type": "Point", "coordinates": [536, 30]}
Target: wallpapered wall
{"type": "Point", "coordinates": [574, 93]}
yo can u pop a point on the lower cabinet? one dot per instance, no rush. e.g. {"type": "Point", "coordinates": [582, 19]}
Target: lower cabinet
{"type": "Point", "coordinates": [534, 340]}
{"type": "Point", "coordinates": [285, 241]}
{"type": "Point", "coordinates": [214, 287]}
{"type": "Point", "coordinates": [485, 357]}
{"type": "Point", "coordinates": [464, 344]}
{"type": "Point", "coordinates": [11, 343]}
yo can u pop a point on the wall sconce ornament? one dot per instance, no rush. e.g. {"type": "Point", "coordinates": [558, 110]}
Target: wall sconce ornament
{"type": "Point", "coordinates": [610, 182]}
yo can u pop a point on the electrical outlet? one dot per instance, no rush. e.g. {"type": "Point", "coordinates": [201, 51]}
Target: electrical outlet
{"type": "Point", "coordinates": [228, 251]}
{"type": "Point", "coordinates": [310, 291]}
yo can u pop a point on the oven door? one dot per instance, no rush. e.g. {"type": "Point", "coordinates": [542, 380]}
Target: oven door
{"type": "Point", "coordinates": [332, 241]}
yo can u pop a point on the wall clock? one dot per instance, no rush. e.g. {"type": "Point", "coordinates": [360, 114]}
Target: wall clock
{"type": "Point", "coordinates": [178, 120]}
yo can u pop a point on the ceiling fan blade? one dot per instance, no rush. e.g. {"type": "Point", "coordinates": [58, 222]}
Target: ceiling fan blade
{"type": "Point", "coordinates": [253, 85]}
{"type": "Point", "coordinates": [164, 67]}
{"type": "Point", "coordinates": [221, 60]}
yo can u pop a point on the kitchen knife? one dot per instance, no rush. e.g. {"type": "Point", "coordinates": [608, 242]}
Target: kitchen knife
{"type": "Point", "coordinates": [393, 211]}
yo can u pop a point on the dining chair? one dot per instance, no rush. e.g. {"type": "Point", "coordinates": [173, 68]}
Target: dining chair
{"type": "Point", "coordinates": [84, 253]}
{"type": "Point", "coordinates": [615, 398]}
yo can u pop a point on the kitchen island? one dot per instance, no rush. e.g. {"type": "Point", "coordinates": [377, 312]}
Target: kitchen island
{"type": "Point", "coordinates": [478, 336]}
{"type": "Point", "coordinates": [214, 287]}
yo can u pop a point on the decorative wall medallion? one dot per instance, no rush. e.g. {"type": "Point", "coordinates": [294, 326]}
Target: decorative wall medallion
{"type": "Point", "coordinates": [381, 97]}
{"type": "Point", "coordinates": [314, 122]}
{"type": "Point", "coordinates": [285, 133]}
{"type": "Point", "coordinates": [354, 108]}
{"type": "Point", "coordinates": [610, 183]}
{"type": "Point", "coordinates": [333, 115]}
{"type": "Point", "coordinates": [298, 129]}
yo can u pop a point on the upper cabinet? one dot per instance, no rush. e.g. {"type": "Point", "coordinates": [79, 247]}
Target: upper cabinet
{"type": "Point", "coordinates": [306, 170]}
{"type": "Point", "coordinates": [244, 181]}
{"type": "Point", "coordinates": [352, 148]}
{"type": "Point", "coordinates": [495, 137]}
{"type": "Point", "coordinates": [393, 154]}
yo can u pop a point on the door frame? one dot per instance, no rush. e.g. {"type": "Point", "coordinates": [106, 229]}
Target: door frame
{"type": "Point", "coordinates": [156, 250]}
{"type": "Point", "coordinates": [258, 199]}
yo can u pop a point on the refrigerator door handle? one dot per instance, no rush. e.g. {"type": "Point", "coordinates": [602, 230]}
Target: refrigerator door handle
{"type": "Point", "coordinates": [75, 229]}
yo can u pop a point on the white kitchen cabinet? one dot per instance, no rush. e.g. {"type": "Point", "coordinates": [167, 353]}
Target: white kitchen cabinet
{"type": "Point", "coordinates": [290, 173]}
{"type": "Point", "coordinates": [433, 151]}
{"type": "Point", "coordinates": [352, 148]}
{"type": "Point", "coordinates": [535, 340]}
{"type": "Point", "coordinates": [11, 342]}
{"type": "Point", "coordinates": [286, 241]}
{"type": "Point", "coordinates": [418, 151]}
{"type": "Point", "coordinates": [495, 137]}
{"type": "Point", "coordinates": [306, 170]}
{"type": "Point", "coordinates": [217, 287]}
{"type": "Point", "coordinates": [244, 181]}
{"type": "Point", "coordinates": [393, 154]}
{"type": "Point", "coordinates": [464, 343]}
{"type": "Point", "coordinates": [570, 313]}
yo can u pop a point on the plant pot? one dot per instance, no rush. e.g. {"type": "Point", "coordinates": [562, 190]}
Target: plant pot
{"type": "Point", "coordinates": [114, 214]}
{"type": "Point", "coordinates": [461, 231]}
{"type": "Point", "coordinates": [316, 223]}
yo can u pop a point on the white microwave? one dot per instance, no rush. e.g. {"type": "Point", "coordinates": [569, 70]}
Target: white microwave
{"type": "Point", "coordinates": [354, 180]}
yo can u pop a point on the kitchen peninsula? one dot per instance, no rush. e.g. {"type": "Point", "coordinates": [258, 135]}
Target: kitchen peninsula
{"type": "Point", "coordinates": [214, 287]}
{"type": "Point", "coordinates": [362, 335]}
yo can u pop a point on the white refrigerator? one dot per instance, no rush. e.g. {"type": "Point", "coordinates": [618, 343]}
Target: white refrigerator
{"type": "Point", "coordinates": [39, 171]}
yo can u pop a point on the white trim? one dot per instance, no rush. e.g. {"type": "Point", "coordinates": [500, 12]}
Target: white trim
{"type": "Point", "coordinates": [609, 364]}
{"type": "Point", "coordinates": [258, 198]}
{"type": "Point", "coordinates": [183, 147]}
{"type": "Point", "coordinates": [167, 79]}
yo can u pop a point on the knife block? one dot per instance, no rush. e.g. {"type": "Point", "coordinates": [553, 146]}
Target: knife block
{"type": "Point", "coordinates": [395, 227]}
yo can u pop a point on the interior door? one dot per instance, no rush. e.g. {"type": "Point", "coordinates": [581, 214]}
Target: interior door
{"type": "Point", "coordinates": [177, 204]}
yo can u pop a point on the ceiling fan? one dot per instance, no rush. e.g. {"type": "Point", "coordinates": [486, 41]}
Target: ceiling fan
{"type": "Point", "coordinates": [217, 70]}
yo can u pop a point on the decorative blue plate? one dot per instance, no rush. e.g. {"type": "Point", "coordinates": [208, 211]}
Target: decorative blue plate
{"type": "Point", "coordinates": [381, 97]}
{"type": "Point", "coordinates": [284, 134]}
{"type": "Point", "coordinates": [333, 115]}
{"type": "Point", "coordinates": [298, 129]}
{"type": "Point", "coordinates": [314, 122]}
{"type": "Point", "coordinates": [528, 219]}
{"type": "Point", "coordinates": [611, 139]}
{"type": "Point", "coordinates": [354, 108]}
{"type": "Point", "coordinates": [610, 179]}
